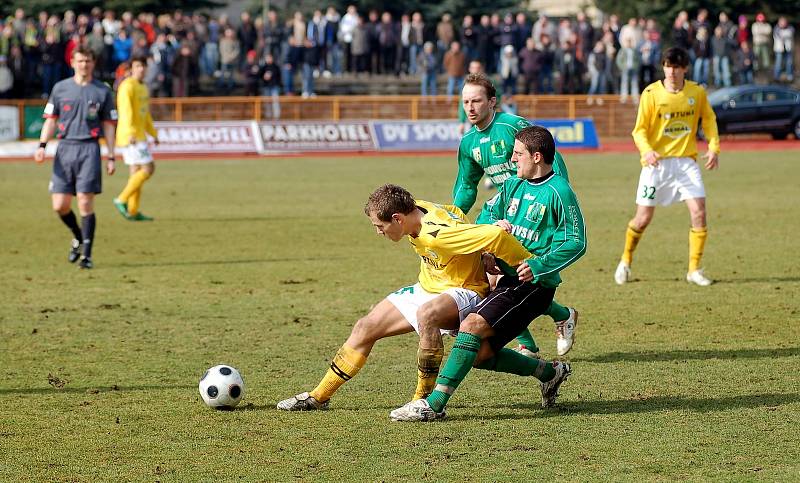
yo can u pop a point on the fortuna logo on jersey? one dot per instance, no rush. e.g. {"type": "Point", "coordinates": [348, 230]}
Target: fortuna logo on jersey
{"type": "Point", "coordinates": [431, 258]}
{"type": "Point", "coordinates": [476, 154]}
{"type": "Point", "coordinates": [512, 207]}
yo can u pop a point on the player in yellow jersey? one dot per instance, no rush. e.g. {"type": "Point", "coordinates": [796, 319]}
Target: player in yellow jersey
{"type": "Point", "coordinates": [451, 282]}
{"type": "Point", "coordinates": [665, 133]}
{"type": "Point", "coordinates": [135, 123]}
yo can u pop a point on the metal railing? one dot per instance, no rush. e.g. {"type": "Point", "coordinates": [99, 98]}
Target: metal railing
{"type": "Point", "coordinates": [612, 117]}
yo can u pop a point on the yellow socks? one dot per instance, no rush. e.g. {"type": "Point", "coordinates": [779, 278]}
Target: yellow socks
{"type": "Point", "coordinates": [697, 243]}
{"type": "Point", "coordinates": [632, 237]}
{"type": "Point", "coordinates": [135, 182]}
{"type": "Point", "coordinates": [133, 202]}
{"type": "Point", "coordinates": [428, 363]}
{"type": "Point", "coordinates": [345, 366]}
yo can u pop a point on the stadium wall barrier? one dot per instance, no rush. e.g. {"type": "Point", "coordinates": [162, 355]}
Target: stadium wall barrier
{"type": "Point", "coordinates": [446, 135]}
{"type": "Point", "coordinates": [207, 137]}
{"type": "Point", "coordinates": [9, 123]}
{"type": "Point", "coordinates": [612, 117]}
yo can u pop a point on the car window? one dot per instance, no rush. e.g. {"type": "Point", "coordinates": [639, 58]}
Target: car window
{"type": "Point", "coordinates": [746, 98]}
{"type": "Point", "coordinates": [778, 96]}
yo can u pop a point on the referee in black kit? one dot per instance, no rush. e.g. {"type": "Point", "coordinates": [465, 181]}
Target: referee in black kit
{"type": "Point", "coordinates": [80, 108]}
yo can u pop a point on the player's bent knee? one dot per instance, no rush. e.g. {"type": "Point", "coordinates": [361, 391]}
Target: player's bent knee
{"type": "Point", "coordinates": [474, 324]}
{"type": "Point", "coordinates": [366, 329]}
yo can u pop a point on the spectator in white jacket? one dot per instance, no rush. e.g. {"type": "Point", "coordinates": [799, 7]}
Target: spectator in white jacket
{"type": "Point", "coordinates": [783, 46]}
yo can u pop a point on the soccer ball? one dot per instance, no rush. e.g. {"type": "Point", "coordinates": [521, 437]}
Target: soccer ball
{"type": "Point", "coordinates": [222, 387]}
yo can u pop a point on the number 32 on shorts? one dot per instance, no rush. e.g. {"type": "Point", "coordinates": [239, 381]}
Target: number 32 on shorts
{"type": "Point", "coordinates": [648, 192]}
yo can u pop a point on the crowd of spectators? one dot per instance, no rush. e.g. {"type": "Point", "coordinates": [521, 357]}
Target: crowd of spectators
{"type": "Point", "coordinates": [272, 55]}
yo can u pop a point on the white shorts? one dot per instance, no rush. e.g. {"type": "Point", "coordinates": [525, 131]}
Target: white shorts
{"type": "Point", "coordinates": [409, 299]}
{"type": "Point", "coordinates": [673, 180]}
{"type": "Point", "coordinates": [137, 153]}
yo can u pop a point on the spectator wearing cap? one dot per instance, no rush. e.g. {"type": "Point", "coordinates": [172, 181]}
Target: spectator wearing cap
{"type": "Point", "coordinates": [762, 41]}
{"type": "Point", "coordinates": [251, 70]}
{"type": "Point", "coordinates": [742, 30]}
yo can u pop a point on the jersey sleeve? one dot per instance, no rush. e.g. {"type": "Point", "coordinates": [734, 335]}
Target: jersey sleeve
{"type": "Point", "coordinates": [125, 105]}
{"type": "Point", "coordinates": [560, 167]}
{"type": "Point", "coordinates": [493, 209]}
{"type": "Point", "coordinates": [569, 239]}
{"type": "Point", "coordinates": [53, 107]}
{"type": "Point", "coordinates": [709, 122]}
{"type": "Point", "coordinates": [643, 122]}
{"type": "Point", "coordinates": [109, 110]}
{"type": "Point", "coordinates": [465, 190]}
{"type": "Point", "coordinates": [464, 239]}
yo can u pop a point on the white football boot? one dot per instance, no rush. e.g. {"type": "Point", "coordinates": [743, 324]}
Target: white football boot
{"type": "Point", "coordinates": [550, 388]}
{"type": "Point", "coordinates": [698, 278]}
{"type": "Point", "coordinates": [623, 273]}
{"type": "Point", "coordinates": [565, 332]}
{"type": "Point", "coordinates": [302, 402]}
{"type": "Point", "coordinates": [416, 410]}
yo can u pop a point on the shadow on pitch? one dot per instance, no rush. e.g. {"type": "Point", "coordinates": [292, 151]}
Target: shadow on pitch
{"type": "Point", "coordinates": [218, 262]}
{"type": "Point", "coordinates": [684, 355]}
{"type": "Point", "coordinates": [93, 390]}
{"type": "Point", "coordinates": [645, 405]}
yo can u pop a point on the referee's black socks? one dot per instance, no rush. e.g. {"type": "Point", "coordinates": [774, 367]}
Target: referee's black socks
{"type": "Point", "coordinates": [87, 227]}
{"type": "Point", "coordinates": [72, 223]}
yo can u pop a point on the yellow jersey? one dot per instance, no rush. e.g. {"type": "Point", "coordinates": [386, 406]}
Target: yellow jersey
{"type": "Point", "coordinates": [450, 249]}
{"type": "Point", "coordinates": [134, 112]}
{"type": "Point", "coordinates": [667, 122]}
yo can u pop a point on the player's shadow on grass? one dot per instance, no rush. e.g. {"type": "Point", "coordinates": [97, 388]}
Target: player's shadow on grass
{"type": "Point", "coordinates": [217, 262]}
{"type": "Point", "coordinates": [682, 355]}
{"type": "Point", "coordinates": [92, 390]}
{"type": "Point", "coordinates": [769, 402]}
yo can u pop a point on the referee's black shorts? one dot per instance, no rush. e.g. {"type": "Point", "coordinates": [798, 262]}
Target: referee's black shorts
{"type": "Point", "coordinates": [511, 306]}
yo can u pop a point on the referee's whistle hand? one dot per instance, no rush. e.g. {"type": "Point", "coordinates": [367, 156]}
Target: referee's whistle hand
{"type": "Point", "coordinates": [38, 155]}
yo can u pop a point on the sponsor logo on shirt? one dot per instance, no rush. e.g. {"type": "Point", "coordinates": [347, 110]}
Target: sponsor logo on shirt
{"type": "Point", "coordinates": [476, 154]}
{"type": "Point", "coordinates": [677, 129]}
{"type": "Point", "coordinates": [485, 140]}
{"type": "Point", "coordinates": [535, 212]}
{"type": "Point", "coordinates": [513, 207]}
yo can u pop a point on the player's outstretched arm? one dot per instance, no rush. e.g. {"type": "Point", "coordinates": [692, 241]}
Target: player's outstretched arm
{"type": "Point", "coordinates": [48, 129]}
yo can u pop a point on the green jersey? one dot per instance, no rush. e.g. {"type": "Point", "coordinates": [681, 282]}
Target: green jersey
{"type": "Point", "coordinates": [546, 218]}
{"type": "Point", "coordinates": [488, 151]}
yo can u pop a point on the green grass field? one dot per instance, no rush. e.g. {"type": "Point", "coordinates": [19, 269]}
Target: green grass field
{"type": "Point", "coordinates": [265, 264]}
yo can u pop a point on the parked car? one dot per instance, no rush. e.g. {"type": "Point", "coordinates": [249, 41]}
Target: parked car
{"type": "Point", "coordinates": [757, 109]}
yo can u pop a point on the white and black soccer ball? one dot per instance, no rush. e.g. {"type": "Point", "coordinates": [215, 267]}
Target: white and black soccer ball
{"type": "Point", "coordinates": [222, 387]}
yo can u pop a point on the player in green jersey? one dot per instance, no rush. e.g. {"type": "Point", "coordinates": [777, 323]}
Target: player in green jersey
{"type": "Point", "coordinates": [486, 149]}
{"type": "Point", "coordinates": [540, 209]}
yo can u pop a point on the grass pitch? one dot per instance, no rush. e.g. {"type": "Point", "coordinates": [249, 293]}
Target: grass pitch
{"type": "Point", "coordinates": [265, 264]}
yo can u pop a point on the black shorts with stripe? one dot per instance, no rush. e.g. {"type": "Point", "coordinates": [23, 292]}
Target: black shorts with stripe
{"type": "Point", "coordinates": [511, 306]}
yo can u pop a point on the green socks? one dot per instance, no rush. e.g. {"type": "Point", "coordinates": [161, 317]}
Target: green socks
{"type": "Point", "coordinates": [557, 311]}
{"type": "Point", "coordinates": [459, 363]}
{"type": "Point", "coordinates": [512, 362]}
{"type": "Point", "coordinates": [526, 338]}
